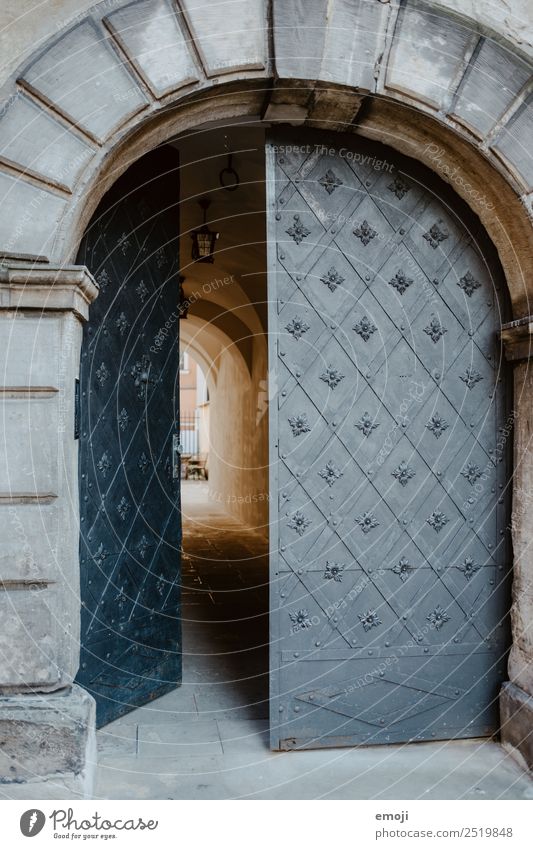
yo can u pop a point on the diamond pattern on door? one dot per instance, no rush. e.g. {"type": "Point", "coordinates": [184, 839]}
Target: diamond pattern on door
{"type": "Point", "coordinates": [389, 542]}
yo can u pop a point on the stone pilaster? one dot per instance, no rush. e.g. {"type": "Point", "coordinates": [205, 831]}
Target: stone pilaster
{"type": "Point", "coordinates": [41, 313]}
{"type": "Point", "coordinates": [516, 699]}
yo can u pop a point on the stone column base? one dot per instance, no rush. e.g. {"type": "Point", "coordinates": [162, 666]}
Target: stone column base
{"type": "Point", "coordinates": [516, 712]}
{"type": "Point", "coordinates": [47, 745]}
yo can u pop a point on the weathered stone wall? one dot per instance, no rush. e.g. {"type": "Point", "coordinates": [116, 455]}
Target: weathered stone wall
{"type": "Point", "coordinates": [41, 310]}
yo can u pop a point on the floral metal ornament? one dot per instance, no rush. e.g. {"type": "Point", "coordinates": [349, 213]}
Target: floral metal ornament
{"type": "Point", "coordinates": [300, 619]}
{"type": "Point", "coordinates": [471, 472]}
{"type": "Point", "coordinates": [297, 327]}
{"type": "Point", "coordinates": [400, 282]}
{"type": "Point", "coordinates": [332, 279]}
{"type": "Point", "coordinates": [142, 546]}
{"type": "Point", "coordinates": [403, 568]}
{"type": "Point", "coordinates": [143, 463]}
{"type": "Point", "coordinates": [123, 507]}
{"type": "Point", "coordinates": [366, 424]}
{"type": "Point", "coordinates": [403, 473]}
{"type": "Point", "coordinates": [365, 232]}
{"type": "Point", "coordinates": [435, 329]}
{"type": "Point", "coordinates": [468, 567]}
{"type": "Point", "coordinates": [399, 188]}
{"type": "Point", "coordinates": [468, 284]}
{"type": "Point", "coordinates": [122, 324]}
{"type": "Point", "coordinates": [104, 464]}
{"type": "Point", "coordinates": [161, 257]}
{"type": "Point", "coordinates": [435, 236]}
{"type": "Point", "coordinates": [330, 181]}
{"type": "Point", "coordinates": [367, 521]}
{"type": "Point", "coordinates": [369, 620]}
{"type": "Point", "coordinates": [298, 522]}
{"type": "Point", "coordinates": [103, 279]}
{"type": "Point", "coordinates": [102, 373]}
{"type": "Point", "coordinates": [438, 617]}
{"type": "Point", "coordinates": [100, 555]}
{"type": "Point", "coordinates": [124, 243]}
{"type": "Point", "coordinates": [470, 377]}
{"type": "Point", "coordinates": [437, 520]}
{"type": "Point", "coordinates": [298, 231]}
{"type": "Point", "coordinates": [330, 473]}
{"type": "Point", "coordinates": [123, 419]}
{"type": "Point", "coordinates": [365, 328]}
{"type": "Point", "coordinates": [160, 338]}
{"type": "Point", "coordinates": [332, 376]}
{"type": "Point", "coordinates": [142, 291]}
{"type": "Point", "coordinates": [333, 571]}
{"type": "Point", "coordinates": [437, 425]}
{"type": "Point", "coordinates": [299, 424]}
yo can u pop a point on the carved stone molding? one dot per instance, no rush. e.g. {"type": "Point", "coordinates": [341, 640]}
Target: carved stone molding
{"type": "Point", "coordinates": [32, 286]}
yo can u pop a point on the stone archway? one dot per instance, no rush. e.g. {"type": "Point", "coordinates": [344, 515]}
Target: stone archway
{"type": "Point", "coordinates": [66, 133]}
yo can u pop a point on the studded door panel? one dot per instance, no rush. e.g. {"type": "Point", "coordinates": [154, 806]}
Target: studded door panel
{"type": "Point", "coordinates": [130, 525]}
{"type": "Point", "coordinates": [390, 431]}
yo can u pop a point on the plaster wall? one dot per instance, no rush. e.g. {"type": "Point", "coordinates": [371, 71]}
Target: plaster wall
{"type": "Point", "coordinates": [238, 418]}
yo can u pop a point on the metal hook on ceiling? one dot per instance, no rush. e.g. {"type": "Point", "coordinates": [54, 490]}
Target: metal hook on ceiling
{"type": "Point", "coordinates": [229, 171]}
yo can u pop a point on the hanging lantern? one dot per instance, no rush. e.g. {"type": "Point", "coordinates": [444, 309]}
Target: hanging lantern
{"type": "Point", "coordinates": [203, 240]}
{"type": "Point", "coordinates": [183, 305]}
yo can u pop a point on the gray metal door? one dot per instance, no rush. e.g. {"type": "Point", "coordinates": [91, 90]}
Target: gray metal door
{"type": "Point", "coordinates": [129, 508]}
{"type": "Point", "coordinates": [390, 432]}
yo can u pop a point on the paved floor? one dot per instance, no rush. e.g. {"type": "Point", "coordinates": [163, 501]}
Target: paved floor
{"type": "Point", "coordinates": [208, 739]}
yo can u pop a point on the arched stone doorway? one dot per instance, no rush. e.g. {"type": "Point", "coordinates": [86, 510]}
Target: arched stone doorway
{"type": "Point", "coordinates": [51, 198]}
{"type": "Point", "coordinates": [373, 318]}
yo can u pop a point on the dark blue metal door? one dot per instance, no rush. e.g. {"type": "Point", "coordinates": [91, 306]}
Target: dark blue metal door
{"type": "Point", "coordinates": [130, 523]}
{"type": "Point", "coordinates": [390, 436]}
